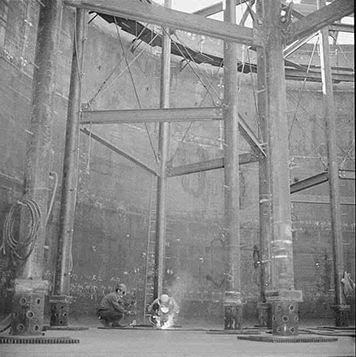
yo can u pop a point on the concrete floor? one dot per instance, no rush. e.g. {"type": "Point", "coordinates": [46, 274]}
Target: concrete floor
{"type": "Point", "coordinates": [188, 341]}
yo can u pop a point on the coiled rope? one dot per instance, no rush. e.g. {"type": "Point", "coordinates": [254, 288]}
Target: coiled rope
{"type": "Point", "coordinates": [21, 249]}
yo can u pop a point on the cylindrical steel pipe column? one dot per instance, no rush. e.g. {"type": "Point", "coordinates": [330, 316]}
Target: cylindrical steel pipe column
{"type": "Point", "coordinates": [70, 175]}
{"type": "Point", "coordinates": [278, 150]}
{"type": "Point", "coordinates": [163, 154]}
{"type": "Point", "coordinates": [281, 293]}
{"type": "Point", "coordinates": [341, 313]}
{"type": "Point", "coordinates": [30, 289]}
{"type": "Point", "coordinates": [264, 181]}
{"type": "Point", "coordinates": [233, 305]}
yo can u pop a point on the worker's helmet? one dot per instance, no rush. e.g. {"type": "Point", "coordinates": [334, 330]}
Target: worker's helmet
{"type": "Point", "coordinates": [122, 288]}
{"type": "Point", "coordinates": [164, 298]}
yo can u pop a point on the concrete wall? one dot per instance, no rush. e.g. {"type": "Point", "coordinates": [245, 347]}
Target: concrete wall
{"type": "Point", "coordinates": [114, 195]}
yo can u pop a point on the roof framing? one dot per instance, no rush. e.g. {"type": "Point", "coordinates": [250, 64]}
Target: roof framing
{"type": "Point", "coordinates": [173, 19]}
{"type": "Point", "coordinates": [317, 20]}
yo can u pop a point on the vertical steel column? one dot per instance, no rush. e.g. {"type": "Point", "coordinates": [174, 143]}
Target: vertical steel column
{"type": "Point", "coordinates": [282, 253]}
{"type": "Point", "coordinates": [30, 289]}
{"type": "Point", "coordinates": [281, 293]}
{"type": "Point", "coordinates": [264, 180]}
{"type": "Point", "coordinates": [233, 305]}
{"type": "Point", "coordinates": [163, 151]}
{"type": "Point", "coordinates": [340, 307]}
{"type": "Point", "coordinates": [59, 308]}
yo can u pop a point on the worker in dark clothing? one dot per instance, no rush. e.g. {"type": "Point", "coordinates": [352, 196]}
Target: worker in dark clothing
{"type": "Point", "coordinates": [112, 307]}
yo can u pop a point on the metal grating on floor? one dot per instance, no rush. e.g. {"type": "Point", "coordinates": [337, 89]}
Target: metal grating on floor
{"type": "Point", "coordinates": [64, 328]}
{"type": "Point", "coordinates": [234, 332]}
{"type": "Point", "coordinates": [37, 340]}
{"type": "Point", "coordinates": [288, 339]}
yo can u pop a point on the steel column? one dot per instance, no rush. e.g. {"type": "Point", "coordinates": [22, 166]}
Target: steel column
{"type": "Point", "coordinates": [163, 152]}
{"type": "Point", "coordinates": [281, 249]}
{"type": "Point", "coordinates": [264, 179]}
{"type": "Point", "coordinates": [37, 171]}
{"type": "Point", "coordinates": [281, 245]}
{"type": "Point", "coordinates": [40, 141]}
{"type": "Point", "coordinates": [231, 176]}
{"type": "Point", "coordinates": [70, 169]}
{"type": "Point", "coordinates": [333, 168]}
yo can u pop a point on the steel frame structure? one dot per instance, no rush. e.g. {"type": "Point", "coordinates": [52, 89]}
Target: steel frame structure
{"type": "Point", "coordinates": [274, 194]}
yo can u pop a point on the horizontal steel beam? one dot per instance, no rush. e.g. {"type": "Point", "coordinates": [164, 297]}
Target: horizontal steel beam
{"type": "Point", "coordinates": [315, 21]}
{"type": "Point", "coordinates": [294, 74]}
{"type": "Point", "coordinates": [320, 200]}
{"type": "Point", "coordinates": [215, 8]}
{"type": "Point", "coordinates": [214, 164]}
{"type": "Point", "coordinates": [150, 115]}
{"type": "Point", "coordinates": [160, 15]}
{"type": "Point", "coordinates": [309, 182]}
{"type": "Point", "coordinates": [347, 175]}
{"type": "Point", "coordinates": [300, 10]}
{"type": "Point", "coordinates": [342, 28]}
{"type": "Point", "coordinates": [118, 151]}
{"type": "Point", "coordinates": [168, 115]}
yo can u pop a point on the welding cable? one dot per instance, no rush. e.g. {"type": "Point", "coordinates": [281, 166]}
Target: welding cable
{"type": "Point", "coordinates": [16, 246]}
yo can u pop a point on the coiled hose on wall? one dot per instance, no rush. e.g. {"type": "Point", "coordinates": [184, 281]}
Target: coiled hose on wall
{"type": "Point", "coordinates": [27, 245]}
{"type": "Point", "coordinates": [9, 241]}
{"type": "Point", "coordinates": [21, 249]}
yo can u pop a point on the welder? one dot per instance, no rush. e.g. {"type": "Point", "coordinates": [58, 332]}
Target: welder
{"type": "Point", "coordinates": [164, 310]}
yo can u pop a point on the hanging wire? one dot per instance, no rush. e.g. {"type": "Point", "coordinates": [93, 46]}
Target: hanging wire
{"type": "Point", "coordinates": [189, 61]}
{"type": "Point", "coordinates": [187, 130]}
{"type": "Point", "coordinates": [135, 89]}
{"type": "Point", "coordinates": [103, 88]}
{"type": "Point", "coordinates": [202, 101]}
{"type": "Point", "coordinates": [254, 97]}
{"type": "Point", "coordinates": [21, 249]}
{"type": "Point", "coordinates": [105, 82]}
{"type": "Point", "coordinates": [295, 118]}
{"type": "Point", "coordinates": [321, 126]}
{"type": "Point", "coordinates": [301, 89]}
{"type": "Point", "coordinates": [352, 65]}
{"type": "Point", "coordinates": [352, 147]}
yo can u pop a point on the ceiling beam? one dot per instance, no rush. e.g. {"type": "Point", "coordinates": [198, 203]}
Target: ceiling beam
{"type": "Point", "coordinates": [315, 21]}
{"type": "Point", "coordinates": [168, 115]}
{"type": "Point", "coordinates": [160, 15]}
{"type": "Point", "coordinates": [215, 8]}
{"type": "Point", "coordinates": [150, 115]}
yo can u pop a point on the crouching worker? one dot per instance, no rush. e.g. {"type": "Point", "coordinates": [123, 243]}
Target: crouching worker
{"type": "Point", "coordinates": [113, 307]}
{"type": "Point", "coordinates": [163, 310]}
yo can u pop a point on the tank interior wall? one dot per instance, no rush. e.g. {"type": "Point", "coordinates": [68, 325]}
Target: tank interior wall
{"type": "Point", "coordinates": [115, 195]}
